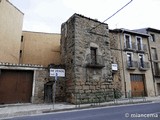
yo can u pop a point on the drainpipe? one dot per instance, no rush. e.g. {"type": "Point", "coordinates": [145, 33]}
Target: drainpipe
{"type": "Point", "coordinates": [121, 38]}
{"type": "Point", "coordinates": [151, 65]}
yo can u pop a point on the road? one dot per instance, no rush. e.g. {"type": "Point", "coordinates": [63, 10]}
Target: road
{"type": "Point", "coordinates": [147, 111]}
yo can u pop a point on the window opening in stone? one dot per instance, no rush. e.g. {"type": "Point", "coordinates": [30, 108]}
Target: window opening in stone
{"type": "Point", "coordinates": [93, 55]}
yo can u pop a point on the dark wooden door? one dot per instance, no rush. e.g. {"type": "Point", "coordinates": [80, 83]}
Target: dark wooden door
{"type": "Point", "coordinates": [48, 90]}
{"type": "Point", "coordinates": [15, 86]}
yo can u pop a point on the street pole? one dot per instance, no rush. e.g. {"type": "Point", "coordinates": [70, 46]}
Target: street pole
{"type": "Point", "coordinates": [55, 90]}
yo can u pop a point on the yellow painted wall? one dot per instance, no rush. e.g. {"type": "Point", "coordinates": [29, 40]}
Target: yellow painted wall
{"type": "Point", "coordinates": [40, 48]}
{"type": "Point", "coordinates": [11, 20]}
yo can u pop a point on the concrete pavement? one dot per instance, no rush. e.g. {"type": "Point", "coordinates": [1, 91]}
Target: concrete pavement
{"type": "Point", "coordinates": [12, 110]}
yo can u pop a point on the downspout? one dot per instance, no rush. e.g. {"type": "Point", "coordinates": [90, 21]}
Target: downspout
{"type": "Point", "coordinates": [149, 47]}
{"type": "Point", "coordinates": [120, 37]}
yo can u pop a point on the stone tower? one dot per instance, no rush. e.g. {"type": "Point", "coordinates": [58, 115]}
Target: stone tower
{"type": "Point", "coordinates": [85, 51]}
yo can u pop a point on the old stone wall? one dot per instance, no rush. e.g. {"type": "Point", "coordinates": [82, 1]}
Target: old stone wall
{"type": "Point", "coordinates": [116, 59]}
{"type": "Point", "coordinates": [41, 78]}
{"type": "Point", "coordinates": [76, 43]}
{"type": "Point", "coordinates": [67, 55]}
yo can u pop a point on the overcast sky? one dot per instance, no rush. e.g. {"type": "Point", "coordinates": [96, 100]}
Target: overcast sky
{"type": "Point", "coordinates": [48, 15]}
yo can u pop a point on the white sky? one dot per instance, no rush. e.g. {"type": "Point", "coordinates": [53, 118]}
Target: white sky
{"type": "Point", "coordinates": [48, 15]}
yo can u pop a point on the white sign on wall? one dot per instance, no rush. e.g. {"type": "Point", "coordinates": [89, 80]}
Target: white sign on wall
{"type": "Point", "coordinates": [58, 72]}
{"type": "Point", "coordinates": [114, 67]}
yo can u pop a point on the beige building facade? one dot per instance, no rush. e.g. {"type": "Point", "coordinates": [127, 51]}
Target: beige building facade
{"type": "Point", "coordinates": [95, 61]}
{"type": "Point", "coordinates": [40, 48]}
{"type": "Point", "coordinates": [24, 57]}
{"type": "Point", "coordinates": [11, 20]}
{"type": "Point", "coordinates": [154, 41]}
{"type": "Point", "coordinates": [133, 59]}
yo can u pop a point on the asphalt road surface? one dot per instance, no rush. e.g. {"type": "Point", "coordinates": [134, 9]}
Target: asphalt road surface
{"type": "Point", "coordinates": [149, 111]}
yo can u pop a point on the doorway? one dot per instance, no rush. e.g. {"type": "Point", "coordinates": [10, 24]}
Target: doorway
{"type": "Point", "coordinates": [137, 85]}
{"type": "Point", "coordinates": [48, 92]}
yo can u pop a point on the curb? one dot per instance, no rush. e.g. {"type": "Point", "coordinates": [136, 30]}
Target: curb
{"type": "Point", "coordinates": [94, 106]}
{"type": "Point", "coordinates": [43, 111]}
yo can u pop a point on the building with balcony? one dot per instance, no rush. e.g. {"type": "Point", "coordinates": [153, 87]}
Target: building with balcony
{"type": "Point", "coordinates": [154, 49]}
{"type": "Point", "coordinates": [85, 51]}
{"type": "Point", "coordinates": [96, 59]}
{"type": "Point", "coordinates": [129, 50]}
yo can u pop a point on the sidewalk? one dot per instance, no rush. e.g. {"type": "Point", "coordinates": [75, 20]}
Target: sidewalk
{"type": "Point", "coordinates": [12, 110]}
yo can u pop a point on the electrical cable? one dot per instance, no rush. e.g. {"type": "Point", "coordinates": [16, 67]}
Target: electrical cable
{"type": "Point", "coordinates": [111, 15]}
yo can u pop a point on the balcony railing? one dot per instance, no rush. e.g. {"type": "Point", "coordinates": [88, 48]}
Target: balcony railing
{"type": "Point", "coordinates": [141, 48]}
{"type": "Point", "coordinates": [132, 65]}
{"type": "Point", "coordinates": [97, 62]}
{"type": "Point", "coordinates": [129, 47]}
{"type": "Point", "coordinates": [144, 66]}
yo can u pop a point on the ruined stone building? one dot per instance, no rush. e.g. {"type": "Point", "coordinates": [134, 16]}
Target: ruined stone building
{"type": "Point", "coordinates": [96, 60]}
{"type": "Point", "coordinates": [85, 51]}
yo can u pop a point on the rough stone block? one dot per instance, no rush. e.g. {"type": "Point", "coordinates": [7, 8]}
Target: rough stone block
{"type": "Point", "coordinates": [92, 87]}
{"type": "Point", "coordinates": [85, 87]}
{"type": "Point", "coordinates": [78, 87]}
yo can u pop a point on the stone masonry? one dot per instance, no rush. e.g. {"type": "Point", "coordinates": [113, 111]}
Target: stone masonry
{"type": "Point", "coordinates": [116, 55]}
{"type": "Point", "coordinates": [80, 41]}
{"type": "Point", "coordinates": [41, 78]}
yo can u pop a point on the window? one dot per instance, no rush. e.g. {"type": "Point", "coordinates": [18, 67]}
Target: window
{"type": "Point", "coordinates": [139, 43]}
{"type": "Point", "coordinates": [128, 41]}
{"type": "Point", "coordinates": [21, 38]}
{"type": "Point", "coordinates": [156, 69]}
{"type": "Point", "coordinates": [129, 59]}
{"type": "Point", "coordinates": [93, 55]}
{"type": "Point", "coordinates": [20, 54]}
{"type": "Point", "coordinates": [141, 59]}
{"type": "Point", "coordinates": [152, 37]}
{"type": "Point", "coordinates": [154, 54]}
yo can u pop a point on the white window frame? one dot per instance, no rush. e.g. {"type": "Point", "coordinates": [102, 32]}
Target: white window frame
{"type": "Point", "coordinates": [130, 40]}
{"type": "Point", "coordinates": [142, 55]}
{"type": "Point", "coordinates": [139, 57]}
{"type": "Point", "coordinates": [140, 42]}
{"type": "Point", "coordinates": [131, 55]}
{"type": "Point", "coordinates": [152, 37]}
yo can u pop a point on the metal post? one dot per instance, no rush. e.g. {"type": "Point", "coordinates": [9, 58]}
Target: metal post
{"type": "Point", "coordinates": [54, 90]}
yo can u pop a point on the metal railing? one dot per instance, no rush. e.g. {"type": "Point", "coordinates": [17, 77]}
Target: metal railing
{"type": "Point", "coordinates": [108, 97]}
{"type": "Point", "coordinates": [96, 62]}
{"type": "Point", "coordinates": [142, 48]}
{"type": "Point", "coordinates": [130, 46]}
{"type": "Point", "coordinates": [144, 65]}
{"type": "Point", "coordinates": [132, 64]}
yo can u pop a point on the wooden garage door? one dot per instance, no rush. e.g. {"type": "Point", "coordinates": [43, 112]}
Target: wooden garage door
{"type": "Point", "coordinates": [15, 86]}
{"type": "Point", "coordinates": [137, 85]}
